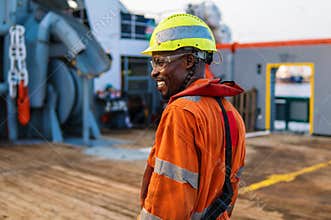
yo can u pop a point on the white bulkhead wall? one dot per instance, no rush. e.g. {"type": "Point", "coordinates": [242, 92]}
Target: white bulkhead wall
{"type": "Point", "coordinates": [105, 21]}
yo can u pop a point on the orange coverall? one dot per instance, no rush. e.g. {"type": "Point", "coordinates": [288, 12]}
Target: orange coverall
{"type": "Point", "coordinates": [186, 168]}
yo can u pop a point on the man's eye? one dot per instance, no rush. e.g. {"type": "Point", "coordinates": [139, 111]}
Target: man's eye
{"type": "Point", "coordinates": [160, 63]}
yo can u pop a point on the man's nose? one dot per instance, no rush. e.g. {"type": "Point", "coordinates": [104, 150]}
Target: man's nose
{"type": "Point", "coordinates": [155, 72]}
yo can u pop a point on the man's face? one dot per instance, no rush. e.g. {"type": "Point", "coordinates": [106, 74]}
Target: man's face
{"type": "Point", "coordinates": [169, 71]}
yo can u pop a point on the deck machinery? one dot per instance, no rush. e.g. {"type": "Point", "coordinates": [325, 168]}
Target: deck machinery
{"type": "Point", "coordinates": [47, 60]}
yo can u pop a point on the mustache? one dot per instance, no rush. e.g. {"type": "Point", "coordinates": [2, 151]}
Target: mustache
{"type": "Point", "coordinates": [159, 79]}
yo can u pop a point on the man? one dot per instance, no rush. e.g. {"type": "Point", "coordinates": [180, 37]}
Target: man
{"type": "Point", "coordinates": [194, 166]}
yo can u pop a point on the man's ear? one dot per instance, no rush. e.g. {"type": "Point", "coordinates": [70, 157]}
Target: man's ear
{"type": "Point", "coordinates": [189, 61]}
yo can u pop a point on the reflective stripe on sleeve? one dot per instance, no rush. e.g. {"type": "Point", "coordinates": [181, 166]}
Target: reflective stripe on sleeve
{"type": "Point", "coordinates": [145, 215]}
{"type": "Point", "coordinates": [176, 173]}
{"type": "Point", "coordinates": [182, 32]}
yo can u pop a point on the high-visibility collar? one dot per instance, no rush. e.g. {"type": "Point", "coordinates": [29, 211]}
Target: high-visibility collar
{"type": "Point", "coordinates": [210, 87]}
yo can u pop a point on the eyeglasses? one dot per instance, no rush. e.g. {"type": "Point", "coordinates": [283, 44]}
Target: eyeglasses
{"type": "Point", "coordinates": [160, 63]}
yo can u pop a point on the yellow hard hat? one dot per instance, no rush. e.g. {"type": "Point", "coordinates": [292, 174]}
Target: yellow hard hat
{"type": "Point", "coordinates": [181, 30]}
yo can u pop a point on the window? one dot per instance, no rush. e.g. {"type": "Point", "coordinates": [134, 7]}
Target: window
{"type": "Point", "coordinates": [135, 73]}
{"type": "Point", "coordinates": [136, 66]}
{"type": "Point", "coordinates": [134, 26]}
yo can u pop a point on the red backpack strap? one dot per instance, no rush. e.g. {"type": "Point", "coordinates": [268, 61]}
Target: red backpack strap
{"type": "Point", "coordinates": [233, 129]}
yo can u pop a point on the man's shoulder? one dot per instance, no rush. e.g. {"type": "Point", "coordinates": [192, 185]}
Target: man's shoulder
{"type": "Point", "coordinates": [187, 103]}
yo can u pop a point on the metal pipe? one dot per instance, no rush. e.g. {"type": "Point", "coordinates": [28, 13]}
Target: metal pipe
{"type": "Point", "coordinates": [67, 35]}
{"type": "Point", "coordinates": [9, 15]}
{"type": "Point", "coordinates": [86, 103]}
{"type": "Point", "coordinates": [93, 125]}
{"type": "Point", "coordinates": [4, 29]}
{"type": "Point", "coordinates": [12, 119]}
{"type": "Point", "coordinates": [3, 88]}
{"type": "Point", "coordinates": [52, 116]}
{"type": "Point", "coordinates": [51, 24]}
{"type": "Point", "coordinates": [11, 104]}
